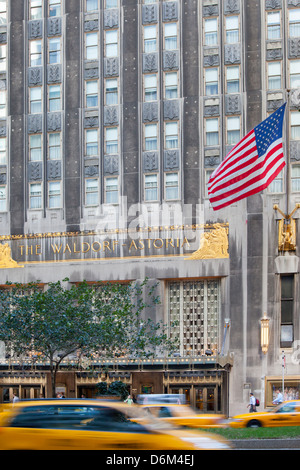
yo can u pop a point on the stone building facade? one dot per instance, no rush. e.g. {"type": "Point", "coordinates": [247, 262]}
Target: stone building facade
{"type": "Point", "coordinates": [113, 115]}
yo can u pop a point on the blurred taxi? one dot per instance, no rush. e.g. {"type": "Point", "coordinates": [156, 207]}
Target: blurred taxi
{"type": "Point", "coordinates": [63, 424]}
{"type": "Point", "coordinates": [172, 409]}
{"type": "Point", "coordinates": [285, 414]}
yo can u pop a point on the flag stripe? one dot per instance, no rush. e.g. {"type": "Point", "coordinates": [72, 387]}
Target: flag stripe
{"type": "Point", "coordinates": [251, 165]}
{"type": "Point", "coordinates": [261, 179]}
{"type": "Point", "coordinates": [255, 165]}
{"type": "Point", "coordinates": [254, 176]}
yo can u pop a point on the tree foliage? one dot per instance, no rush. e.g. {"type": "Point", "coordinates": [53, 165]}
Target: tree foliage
{"type": "Point", "coordinates": [102, 320]}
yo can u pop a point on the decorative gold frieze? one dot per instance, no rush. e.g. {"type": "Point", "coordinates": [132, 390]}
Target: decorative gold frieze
{"type": "Point", "coordinates": [213, 244]}
{"type": "Point", "coordinates": [6, 260]}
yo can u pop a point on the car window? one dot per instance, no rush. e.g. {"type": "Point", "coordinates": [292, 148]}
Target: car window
{"type": "Point", "coordinates": [164, 412]}
{"type": "Point", "coordinates": [287, 408]}
{"type": "Point", "coordinates": [75, 417]}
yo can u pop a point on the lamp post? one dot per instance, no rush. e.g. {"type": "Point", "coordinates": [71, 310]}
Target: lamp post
{"type": "Point", "coordinates": [264, 333]}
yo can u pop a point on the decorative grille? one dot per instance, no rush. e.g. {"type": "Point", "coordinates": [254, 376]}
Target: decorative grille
{"type": "Point", "coordinates": [193, 313]}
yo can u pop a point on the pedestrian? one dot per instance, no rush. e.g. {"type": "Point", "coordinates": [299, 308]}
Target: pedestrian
{"type": "Point", "coordinates": [128, 400]}
{"type": "Point", "coordinates": [279, 398]}
{"type": "Point", "coordinates": [252, 403]}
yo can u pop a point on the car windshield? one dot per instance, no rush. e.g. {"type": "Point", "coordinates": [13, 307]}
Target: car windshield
{"type": "Point", "coordinates": [285, 408]}
{"type": "Point", "coordinates": [92, 418]}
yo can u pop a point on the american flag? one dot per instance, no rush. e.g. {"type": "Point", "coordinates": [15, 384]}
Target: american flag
{"type": "Point", "coordinates": [251, 165]}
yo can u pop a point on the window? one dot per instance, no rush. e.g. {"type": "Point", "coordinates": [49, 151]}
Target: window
{"type": "Point", "coordinates": [54, 194]}
{"type": "Point", "coordinates": [150, 137]}
{"type": "Point", "coordinates": [3, 144]}
{"type": "Point", "coordinates": [36, 9]}
{"type": "Point", "coordinates": [294, 23]}
{"type": "Point", "coordinates": [3, 199]}
{"type": "Point", "coordinates": [54, 98]}
{"type": "Point", "coordinates": [170, 36]}
{"type": "Point", "coordinates": [35, 147]}
{"type": "Point", "coordinates": [295, 73]}
{"type": "Point", "coordinates": [91, 90]}
{"type": "Point", "coordinates": [111, 3]}
{"type": "Point", "coordinates": [91, 192]}
{"type": "Point", "coordinates": [193, 307]}
{"type": "Point", "coordinates": [35, 97]}
{"type": "Point", "coordinates": [3, 103]}
{"type": "Point", "coordinates": [273, 25]}
{"type": "Point", "coordinates": [171, 85]}
{"type": "Point", "coordinates": [54, 51]}
{"type": "Point", "coordinates": [233, 79]}
{"type": "Point", "coordinates": [111, 91]}
{"type": "Point", "coordinates": [35, 196]}
{"type": "Point", "coordinates": [111, 43]}
{"type": "Point", "coordinates": [171, 186]}
{"type": "Point", "coordinates": [91, 46]}
{"type": "Point", "coordinates": [3, 48]}
{"type": "Point", "coordinates": [232, 29]}
{"type": "Point", "coordinates": [295, 125]}
{"type": "Point", "coordinates": [212, 131]}
{"type": "Point", "coordinates": [3, 12]}
{"type": "Point", "coordinates": [54, 146]}
{"type": "Point", "coordinates": [171, 135]}
{"type": "Point", "coordinates": [211, 32]}
{"type": "Point", "coordinates": [91, 5]}
{"type": "Point", "coordinates": [150, 87]}
{"type": "Point", "coordinates": [150, 38]}
{"type": "Point", "coordinates": [274, 75]}
{"type": "Point", "coordinates": [287, 311]}
{"type": "Point", "coordinates": [54, 8]}
{"type": "Point", "coordinates": [91, 142]}
{"type": "Point", "coordinates": [233, 130]}
{"type": "Point", "coordinates": [276, 186]}
{"type": "Point", "coordinates": [35, 53]}
{"type": "Point", "coordinates": [295, 177]}
{"type": "Point", "coordinates": [211, 81]}
{"type": "Point", "coordinates": [151, 187]}
{"type": "Point", "coordinates": [111, 190]}
{"type": "Point", "coordinates": [111, 140]}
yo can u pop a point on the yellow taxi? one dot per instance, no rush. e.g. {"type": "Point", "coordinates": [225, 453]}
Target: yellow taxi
{"type": "Point", "coordinates": [172, 409]}
{"type": "Point", "coordinates": [284, 414]}
{"type": "Point", "coordinates": [82, 424]}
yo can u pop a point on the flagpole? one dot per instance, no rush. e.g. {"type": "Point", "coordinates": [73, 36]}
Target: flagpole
{"type": "Point", "coordinates": [288, 183]}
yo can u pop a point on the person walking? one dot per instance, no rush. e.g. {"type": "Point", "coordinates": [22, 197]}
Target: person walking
{"type": "Point", "coordinates": [252, 403]}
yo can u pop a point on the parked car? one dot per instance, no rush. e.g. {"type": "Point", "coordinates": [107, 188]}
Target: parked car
{"type": "Point", "coordinates": [172, 409]}
{"type": "Point", "coordinates": [92, 425]}
{"type": "Point", "coordinates": [284, 414]}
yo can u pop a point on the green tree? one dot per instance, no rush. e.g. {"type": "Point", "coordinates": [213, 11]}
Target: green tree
{"type": "Point", "coordinates": [103, 319]}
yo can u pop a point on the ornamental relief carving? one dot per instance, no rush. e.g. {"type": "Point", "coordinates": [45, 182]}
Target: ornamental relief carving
{"type": "Point", "coordinates": [53, 122]}
{"type": "Point", "coordinates": [170, 60]}
{"type": "Point", "coordinates": [150, 112]}
{"type": "Point", "coordinates": [150, 161]}
{"type": "Point", "coordinates": [150, 62]}
{"type": "Point", "coordinates": [35, 29]}
{"type": "Point", "coordinates": [54, 26]}
{"type": "Point", "coordinates": [170, 11]}
{"type": "Point", "coordinates": [35, 76]}
{"type": "Point", "coordinates": [111, 164]}
{"type": "Point", "coordinates": [111, 67]}
{"type": "Point", "coordinates": [35, 123]}
{"type": "Point", "coordinates": [232, 54]}
{"type": "Point", "coordinates": [149, 14]}
{"type": "Point", "coordinates": [53, 169]}
{"type": "Point", "coordinates": [111, 18]}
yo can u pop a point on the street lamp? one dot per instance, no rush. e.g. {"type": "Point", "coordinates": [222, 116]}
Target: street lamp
{"type": "Point", "coordinates": [264, 333]}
